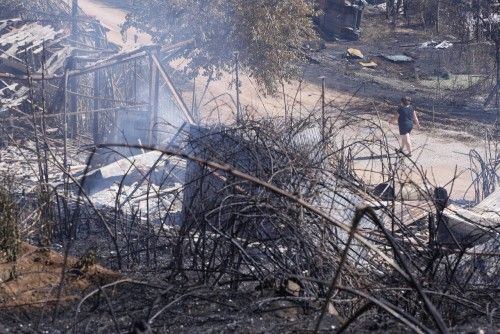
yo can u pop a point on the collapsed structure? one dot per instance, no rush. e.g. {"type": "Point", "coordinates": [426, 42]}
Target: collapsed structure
{"type": "Point", "coordinates": [88, 86]}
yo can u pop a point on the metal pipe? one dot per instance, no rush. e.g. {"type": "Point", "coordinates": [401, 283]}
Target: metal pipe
{"type": "Point", "coordinates": [323, 116]}
{"type": "Point", "coordinates": [238, 110]}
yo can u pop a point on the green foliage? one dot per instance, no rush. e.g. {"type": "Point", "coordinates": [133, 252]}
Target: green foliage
{"type": "Point", "coordinates": [9, 238]}
{"type": "Point", "coordinates": [268, 34]}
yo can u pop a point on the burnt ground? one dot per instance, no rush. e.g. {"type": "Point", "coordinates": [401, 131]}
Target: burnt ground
{"type": "Point", "coordinates": [451, 104]}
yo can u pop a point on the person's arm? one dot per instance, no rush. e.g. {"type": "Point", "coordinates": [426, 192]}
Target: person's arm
{"type": "Point", "coordinates": [415, 119]}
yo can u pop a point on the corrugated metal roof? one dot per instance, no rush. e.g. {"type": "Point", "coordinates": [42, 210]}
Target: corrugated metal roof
{"type": "Point", "coordinates": [27, 37]}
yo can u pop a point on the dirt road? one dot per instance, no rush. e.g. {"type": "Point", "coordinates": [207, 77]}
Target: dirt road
{"type": "Point", "coordinates": [112, 17]}
{"type": "Point", "coordinates": [440, 154]}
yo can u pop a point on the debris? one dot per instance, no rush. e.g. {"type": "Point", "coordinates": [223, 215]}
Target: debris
{"type": "Point", "coordinates": [428, 44]}
{"type": "Point", "coordinates": [490, 206]}
{"type": "Point", "coordinates": [382, 7]}
{"type": "Point", "coordinates": [385, 191]}
{"type": "Point", "coordinates": [354, 53]}
{"type": "Point", "coordinates": [469, 227]}
{"type": "Point", "coordinates": [129, 171]}
{"type": "Point", "coordinates": [86, 261]}
{"type": "Point", "coordinates": [433, 44]}
{"type": "Point", "coordinates": [444, 45]}
{"type": "Point", "coordinates": [370, 64]}
{"type": "Point", "coordinates": [399, 58]}
{"type": "Point", "coordinates": [457, 231]}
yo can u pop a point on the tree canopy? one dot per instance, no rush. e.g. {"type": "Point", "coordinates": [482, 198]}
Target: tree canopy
{"type": "Point", "coordinates": [268, 34]}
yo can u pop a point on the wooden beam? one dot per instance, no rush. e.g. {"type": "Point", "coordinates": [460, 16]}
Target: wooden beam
{"type": "Point", "coordinates": [154, 88]}
{"type": "Point", "coordinates": [116, 60]}
{"type": "Point", "coordinates": [73, 100]}
{"type": "Point", "coordinates": [87, 112]}
{"type": "Point", "coordinates": [177, 97]}
{"type": "Point", "coordinates": [119, 59]}
{"type": "Point", "coordinates": [168, 48]}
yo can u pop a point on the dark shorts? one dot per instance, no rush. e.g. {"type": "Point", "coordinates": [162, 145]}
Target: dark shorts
{"type": "Point", "coordinates": [403, 130]}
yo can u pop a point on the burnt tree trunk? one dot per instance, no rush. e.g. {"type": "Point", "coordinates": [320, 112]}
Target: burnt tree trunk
{"type": "Point", "coordinates": [97, 104]}
{"type": "Point", "coordinates": [154, 86]}
{"type": "Point", "coordinates": [73, 101]}
{"type": "Point", "coordinates": [430, 15]}
{"type": "Point", "coordinates": [438, 9]}
{"type": "Point", "coordinates": [73, 83]}
{"type": "Point", "coordinates": [477, 18]}
{"type": "Point", "coordinates": [97, 95]}
{"type": "Point", "coordinates": [497, 46]}
{"type": "Point", "coordinates": [391, 11]}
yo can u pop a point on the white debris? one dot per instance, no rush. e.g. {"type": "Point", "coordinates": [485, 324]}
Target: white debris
{"type": "Point", "coordinates": [436, 45]}
{"type": "Point", "coordinates": [444, 45]}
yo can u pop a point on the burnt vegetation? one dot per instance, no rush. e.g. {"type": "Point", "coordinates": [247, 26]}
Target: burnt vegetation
{"type": "Point", "coordinates": [127, 208]}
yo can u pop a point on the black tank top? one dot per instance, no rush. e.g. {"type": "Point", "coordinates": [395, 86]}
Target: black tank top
{"type": "Point", "coordinates": [405, 116]}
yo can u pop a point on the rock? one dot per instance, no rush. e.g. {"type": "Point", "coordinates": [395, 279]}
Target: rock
{"type": "Point", "coordinates": [332, 310]}
{"type": "Point", "coordinates": [398, 58]}
{"type": "Point", "coordinates": [354, 53]}
{"type": "Point", "coordinates": [370, 64]}
{"type": "Point", "coordinates": [290, 287]}
{"type": "Point", "coordinates": [293, 288]}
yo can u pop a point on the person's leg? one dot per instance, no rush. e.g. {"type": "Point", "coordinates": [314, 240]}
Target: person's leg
{"type": "Point", "coordinates": [403, 143]}
{"type": "Point", "coordinates": [408, 143]}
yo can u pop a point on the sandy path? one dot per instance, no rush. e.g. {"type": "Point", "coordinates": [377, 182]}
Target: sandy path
{"type": "Point", "coordinates": [438, 156]}
{"type": "Point", "coordinates": [436, 152]}
{"type": "Point", "coordinates": [112, 17]}
{"type": "Point", "coordinates": [222, 110]}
